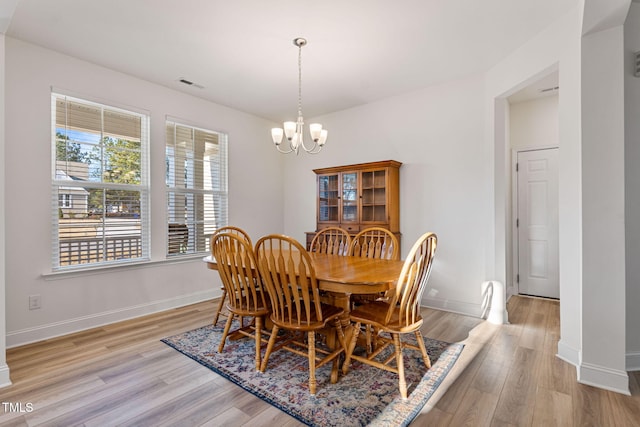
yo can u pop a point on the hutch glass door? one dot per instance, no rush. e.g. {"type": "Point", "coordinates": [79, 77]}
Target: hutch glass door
{"type": "Point", "coordinates": [328, 198]}
{"type": "Point", "coordinates": [374, 198]}
{"type": "Point", "coordinates": [349, 197]}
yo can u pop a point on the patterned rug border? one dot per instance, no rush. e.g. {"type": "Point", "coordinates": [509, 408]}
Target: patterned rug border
{"type": "Point", "coordinates": [407, 410]}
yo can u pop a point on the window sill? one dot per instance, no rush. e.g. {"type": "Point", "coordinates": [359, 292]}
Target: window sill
{"type": "Point", "coordinates": [112, 268]}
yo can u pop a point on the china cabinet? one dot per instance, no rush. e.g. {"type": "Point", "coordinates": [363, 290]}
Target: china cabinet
{"type": "Point", "coordinates": [358, 196]}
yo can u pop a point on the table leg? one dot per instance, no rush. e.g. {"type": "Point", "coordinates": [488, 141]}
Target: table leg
{"type": "Point", "coordinates": [343, 301]}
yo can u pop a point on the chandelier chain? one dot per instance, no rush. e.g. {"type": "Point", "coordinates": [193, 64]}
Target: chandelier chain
{"type": "Point", "coordinates": [299, 80]}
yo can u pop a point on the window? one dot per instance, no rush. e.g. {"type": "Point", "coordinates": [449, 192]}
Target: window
{"type": "Point", "coordinates": [196, 179]}
{"type": "Point", "coordinates": [64, 200]}
{"type": "Point", "coordinates": [99, 184]}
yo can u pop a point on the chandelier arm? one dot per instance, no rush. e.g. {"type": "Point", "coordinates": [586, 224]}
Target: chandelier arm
{"type": "Point", "coordinates": [311, 150]}
{"type": "Point", "coordinates": [284, 151]}
{"type": "Point", "coordinates": [316, 149]}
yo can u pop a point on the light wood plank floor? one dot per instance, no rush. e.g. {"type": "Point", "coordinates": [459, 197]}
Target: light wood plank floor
{"type": "Point", "coordinates": [123, 375]}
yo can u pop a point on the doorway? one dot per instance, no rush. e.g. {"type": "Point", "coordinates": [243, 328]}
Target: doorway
{"type": "Point", "coordinates": [536, 218]}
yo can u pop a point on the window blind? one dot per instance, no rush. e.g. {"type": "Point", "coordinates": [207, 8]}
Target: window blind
{"type": "Point", "coordinates": [100, 190]}
{"type": "Point", "coordinates": [197, 191]}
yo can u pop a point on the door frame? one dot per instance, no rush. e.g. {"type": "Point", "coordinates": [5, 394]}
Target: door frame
{"type": "Point", "coordinates": [514, 210]}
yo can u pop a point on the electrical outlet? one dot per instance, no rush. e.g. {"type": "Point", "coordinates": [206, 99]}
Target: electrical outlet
{"type": "Point", "coordinates": [35, 302]}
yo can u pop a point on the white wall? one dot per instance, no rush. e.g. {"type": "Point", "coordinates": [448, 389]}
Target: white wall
{"type": "Point", "coordinates": [437, 133]}
{"type": "Point", "coordinates": [73, 302]}
{"type": "Point", "coordinates": [632, 185]}
{"type": "Point", "coordinates": [4, 369]}
{"type": "Point", "coordinates": [590, 113]}
{"type": "Point", "coordinates": [558, 47]}
{"type": "Point", "coordinates": [603, 221]}
{"type": "Point", "coordinates": [534, 123]}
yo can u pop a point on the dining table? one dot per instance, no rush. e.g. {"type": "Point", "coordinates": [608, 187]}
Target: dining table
{"type": "Point", "coordinates": [341, 276]}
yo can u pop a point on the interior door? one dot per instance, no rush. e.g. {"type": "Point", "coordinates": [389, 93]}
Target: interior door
{"type": "Point", "coordinates": [537, 223]}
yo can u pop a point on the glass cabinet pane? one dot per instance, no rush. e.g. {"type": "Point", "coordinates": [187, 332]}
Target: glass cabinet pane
{"type": "Point", "coordinates": [374, 196]}
{"type": "Point", "coordinates": [328, 198]}
{"type": "Point", "coordinates": [349, 197]}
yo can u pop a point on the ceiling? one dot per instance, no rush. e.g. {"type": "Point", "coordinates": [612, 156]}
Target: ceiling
{"type": "Point", "coordinates": [240, 53]}
{"type": "Point", "coordinates": [545, 86]}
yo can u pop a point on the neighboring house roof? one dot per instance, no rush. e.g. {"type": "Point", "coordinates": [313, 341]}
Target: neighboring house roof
{"type": "Point", "coordinates": [62, 176]}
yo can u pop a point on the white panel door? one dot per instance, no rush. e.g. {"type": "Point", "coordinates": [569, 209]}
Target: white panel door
{"type": "Point", "coordinates": [538, 269]}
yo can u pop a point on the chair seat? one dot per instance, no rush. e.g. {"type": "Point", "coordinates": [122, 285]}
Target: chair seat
{"type": "Point", "coordinates": [249, 310]}
{"type": "Point", "coordinates": [329, 313]}
{"type": "Point", "coordinates": [375, 314]}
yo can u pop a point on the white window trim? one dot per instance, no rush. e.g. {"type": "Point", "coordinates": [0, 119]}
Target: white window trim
{"type": "Point", "coordinates": [143, 187]}
{"type": "Point", "coordinates": [222, 193]}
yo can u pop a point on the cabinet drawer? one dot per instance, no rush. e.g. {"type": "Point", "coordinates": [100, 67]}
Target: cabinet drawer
{"type": "Point", "coordinates": [351, 228]}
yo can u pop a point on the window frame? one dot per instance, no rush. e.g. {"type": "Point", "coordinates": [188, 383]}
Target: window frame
{"type": "Point", "coordinates": [64, 200]}
{"type": "Point", "coordinates": [98, 258]}
{"type": "Point", "coordinates": [215, 200]}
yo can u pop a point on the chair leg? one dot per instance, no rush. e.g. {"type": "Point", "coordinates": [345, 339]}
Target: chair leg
{"type": "Point", "coordinates": [402, 383]}
{"type": "Point", "coordinates": [220, 305]}
{"type": "Point", "coordinates": [423, 350]}
{"type": "Point", "coordinates": [312, 361]}
{"type": "Point", "coordinates": [374, 339]}
{"type": "Point", "coordinates": [227, 327]}
{"type": "Point", "coordinates": [272, 341]}
{"type": "Point", "coordinates": [349, 350]}
{"type": "Point", "coordinates": [258, 333]}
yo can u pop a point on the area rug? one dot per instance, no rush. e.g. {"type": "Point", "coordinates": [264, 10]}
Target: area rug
{"type": "Point", "coordinates": [365, 396]}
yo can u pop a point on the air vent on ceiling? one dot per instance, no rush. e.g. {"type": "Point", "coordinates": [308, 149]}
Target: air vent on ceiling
{"type": "Point", "coordinates": [190, 83]}
{"type": "Point", "coordinates": [637, 65]}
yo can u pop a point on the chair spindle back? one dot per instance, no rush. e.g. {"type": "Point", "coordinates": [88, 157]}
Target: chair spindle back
{"type": "Point", "coordinates": [375, 242]}
{"type": "Point", "coordinates": [332, 241]}
{"type": "Point", "coordinates": [289, 276]}
{"type": "Point", "coordinates": [413, 280]}
{"type": "Point", "coordinates": [238, 271]}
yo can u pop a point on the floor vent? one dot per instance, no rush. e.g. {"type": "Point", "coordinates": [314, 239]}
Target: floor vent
{"type": "Point", "coordinates": [637, 65]}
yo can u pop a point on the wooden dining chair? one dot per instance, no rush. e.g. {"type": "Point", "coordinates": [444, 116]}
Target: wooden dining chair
{"type": "Point", "coordinates": [332, 241]}
{"type": "Point", "coordinates": [246, 297]}
{"type": "Point", "coordinates": [400, 315]}
{"type": "Point", "coordinates": [289, 276]}
{"type": "Point", "coordinates": [373, 242]}
{"type": "Point", "coordinates": [240, 233]}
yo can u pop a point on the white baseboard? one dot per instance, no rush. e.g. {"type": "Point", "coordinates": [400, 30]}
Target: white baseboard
{"type": "Point", "coordinates": [468, 309]}
{"type": "Point", "coordinates": [568, 353]}
{"type": "Point", "coordinates": [5, 379]}
{"type": "Point", "coordinates": [633, 361]}
{"type": "Point", "coordinates": [39, 333]}
{"type": "Point", "coordinates": [605, 378]}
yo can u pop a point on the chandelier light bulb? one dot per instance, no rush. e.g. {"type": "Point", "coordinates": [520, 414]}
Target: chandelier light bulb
{"type": "Point", "coordinates": [315, 129]}
{"type": "Point", "coordinates": [323, 137]}
{"type": "Point", "coordinates": [289, 129]}
{"type": "Point", "coordinates": [276, 134]}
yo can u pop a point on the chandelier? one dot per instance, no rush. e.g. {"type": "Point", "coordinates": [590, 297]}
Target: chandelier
{"type": "Point", "coordinates": [293, 130]}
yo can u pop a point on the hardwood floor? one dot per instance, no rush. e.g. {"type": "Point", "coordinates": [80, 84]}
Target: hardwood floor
{"type": "Point", "coordinates": [123, 375]}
